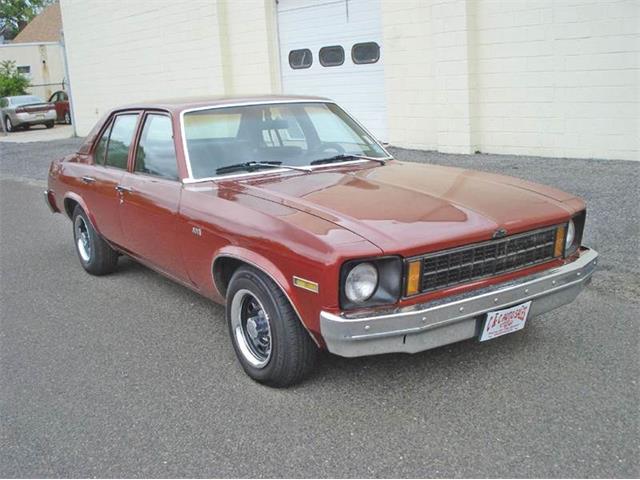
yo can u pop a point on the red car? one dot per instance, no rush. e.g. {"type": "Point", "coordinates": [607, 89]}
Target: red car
{"type": "Point", "coordinates": [61, 100]}
{"type": "Point", "coordinates": [291, 213]}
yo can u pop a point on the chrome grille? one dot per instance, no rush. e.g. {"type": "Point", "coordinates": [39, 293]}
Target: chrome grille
{"type": "Point", "coordinates": [462, 265]}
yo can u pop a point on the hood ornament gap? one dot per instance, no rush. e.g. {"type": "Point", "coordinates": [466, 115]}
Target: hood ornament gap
{"type": "Point", "coordinates": [500, 233]}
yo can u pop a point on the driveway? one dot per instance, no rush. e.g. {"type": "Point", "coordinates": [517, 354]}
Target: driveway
{"type": "Point", "coordinates": [38, 133]}
{"type": "Point", "coordinates": [133, 375]}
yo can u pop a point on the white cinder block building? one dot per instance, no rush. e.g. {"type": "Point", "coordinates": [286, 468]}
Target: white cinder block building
{"type": "Point", "coordinates": [533, 77]}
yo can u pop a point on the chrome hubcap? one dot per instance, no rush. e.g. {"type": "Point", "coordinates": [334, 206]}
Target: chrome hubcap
{"type": "Point", "coordinates": [83, 240]}
{"type": "Point", "coordinates": [251, 328]}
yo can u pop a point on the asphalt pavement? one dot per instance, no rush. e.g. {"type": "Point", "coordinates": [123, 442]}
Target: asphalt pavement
{"type": "Point", "coordinates": [131, 375]}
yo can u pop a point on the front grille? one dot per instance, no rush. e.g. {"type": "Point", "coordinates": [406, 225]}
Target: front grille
{"type": "Point", "coordinates": [461, 265]}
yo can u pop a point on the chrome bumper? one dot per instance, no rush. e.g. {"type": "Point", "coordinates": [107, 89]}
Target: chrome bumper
{"type": "Point", "coordinates": [430, 325]}
{"type": "Point", "coordinates": [48, 199]}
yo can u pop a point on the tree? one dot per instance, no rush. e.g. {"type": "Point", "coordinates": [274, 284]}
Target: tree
{"type": "Point", "coordinates": [12, 82]}
{"type": "Point", "coordinates": [15, 14]}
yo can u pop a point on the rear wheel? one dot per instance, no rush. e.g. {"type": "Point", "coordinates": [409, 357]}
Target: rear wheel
{"type": "Point", "coordinates": [49, 124]}
{"type": "Point", "coordinates": [96, 256]}
{"type": "Point", "coordinates": [270, 342]}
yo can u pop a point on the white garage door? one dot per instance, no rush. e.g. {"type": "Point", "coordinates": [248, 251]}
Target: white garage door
{"type": "Point", "coordinates": [334, 49]}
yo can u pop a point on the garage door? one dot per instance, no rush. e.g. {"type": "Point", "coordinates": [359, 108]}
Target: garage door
{"type": "Point", "coordinates": [334, 49]}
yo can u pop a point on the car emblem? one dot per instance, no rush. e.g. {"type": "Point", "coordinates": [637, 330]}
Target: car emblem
{"type": "Point", "coordinates": [499, 233]}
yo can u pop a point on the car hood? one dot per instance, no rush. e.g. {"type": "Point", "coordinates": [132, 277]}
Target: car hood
{"type": "Point", "coordinates": [410, 208]}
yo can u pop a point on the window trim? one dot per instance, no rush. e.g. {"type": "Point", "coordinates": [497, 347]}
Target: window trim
{"type": "Point", "coordinates": [112, 121]}
{"type": "Point", "coordinates": [106, 129]}
{"type": "Point", "coordinates": [364, 43]}
{"type": "Point", "coordinates": [331, 64]}
{"type": "Point", "coordinates": [138, 136]}
{"type": "Point", "coordinates": [300, 50]}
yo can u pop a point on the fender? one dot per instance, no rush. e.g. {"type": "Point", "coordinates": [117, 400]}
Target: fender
{"type": "Point", "coordinates": [267, 267]}
{"type": "Point", "coordinates": [77, 198]}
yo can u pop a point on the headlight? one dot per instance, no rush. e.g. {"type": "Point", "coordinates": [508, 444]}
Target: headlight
{"type": "Point", "coordinates": [575, 229]}
{"type": "Point", "coordinates": [361, 282]}
{"type": "Point", "coordinates": [370, 282]}
{"type": "Point", "coordinates": [570, 237]}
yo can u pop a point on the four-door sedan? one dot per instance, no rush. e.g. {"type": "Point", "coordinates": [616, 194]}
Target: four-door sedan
{"type": "Point", "coordinates": [61, 101]}
{"type": "Point", "coordinates": [291, 213]}
{"type": "Point", "coordinates": [23, 111]}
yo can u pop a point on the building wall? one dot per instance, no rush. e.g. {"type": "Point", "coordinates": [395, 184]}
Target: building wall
{"type": "Point", "coordinates": [558, 78]}
{"type": "Point", "coordinates": [123, 52]}
{"type": "Point", "coordinates": [550, 78]}
{"type": "Point", "coordinates": [45, 60]}
{"type": "Point", "coordinates": [543, 77]}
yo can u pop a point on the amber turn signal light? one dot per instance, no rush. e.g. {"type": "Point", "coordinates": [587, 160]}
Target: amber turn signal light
{"type": "Point", "coordinates": [413, 277]}
{"type": "Point", "coordinates": [558, 248]}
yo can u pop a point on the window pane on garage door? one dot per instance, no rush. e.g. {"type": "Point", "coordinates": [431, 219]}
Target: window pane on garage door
{"type": "Point", "coordinates": [315, 24]}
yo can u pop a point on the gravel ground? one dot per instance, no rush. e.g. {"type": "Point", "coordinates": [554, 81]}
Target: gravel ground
{"type": "Point", "coordinates": [132, 375]}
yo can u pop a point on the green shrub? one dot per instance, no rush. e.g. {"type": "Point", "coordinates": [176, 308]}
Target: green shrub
{"type": "Point", "coordinates": [12, 82]}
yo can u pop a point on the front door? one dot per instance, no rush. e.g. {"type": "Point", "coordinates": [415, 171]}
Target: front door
{"type": "Point", "coordinates": [151, 196]}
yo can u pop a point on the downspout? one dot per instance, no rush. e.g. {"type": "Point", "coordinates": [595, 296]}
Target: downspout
{"type": "Point", "coordinates": [66, 73]}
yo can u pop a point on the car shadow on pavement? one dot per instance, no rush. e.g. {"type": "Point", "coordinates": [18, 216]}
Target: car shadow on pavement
{"type": "Point", "coordinates": [373, 373]}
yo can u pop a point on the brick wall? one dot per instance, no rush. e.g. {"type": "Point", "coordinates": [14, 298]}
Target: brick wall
{"type": "Point", "coordinates": [551, 78]}
{"type": "Point", "coordinates": [124, 52]}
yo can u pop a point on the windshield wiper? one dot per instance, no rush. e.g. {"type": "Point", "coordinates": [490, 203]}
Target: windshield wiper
{"type": "Point", "coordinates": [251, 166]}
{"type": "Point", "coordinates": [344, 157]}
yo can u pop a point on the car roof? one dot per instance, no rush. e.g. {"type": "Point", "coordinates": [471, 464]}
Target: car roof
{"type": "Point", "coordinates": [179, 104]}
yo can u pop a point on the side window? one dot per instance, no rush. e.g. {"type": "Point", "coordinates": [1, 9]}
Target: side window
{"type": "Point", "coordinates": [299, 59]}
{"type": "Point", "coordinates": [331, 56]}
{"type": "Point", "coordinates": [122, 132]}
{"type": "Point", "coordinates": [54, 97]}
{"type": "Point", "coordinates": [101, 147]}
{"type": "Point", "coordinates": [156, 154]}
{"type": "Point", "coordinates": [368, 52]}
{"type": "Point", "coordinates": [63, 96]}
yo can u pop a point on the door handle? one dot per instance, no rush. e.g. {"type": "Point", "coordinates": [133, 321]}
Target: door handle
{"type": "Point", "coordinates": [122, 188]}
{"type": "Point", "coordinates": [88, 179]}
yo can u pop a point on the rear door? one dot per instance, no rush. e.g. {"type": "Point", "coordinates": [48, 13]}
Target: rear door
{"type": "Point", "coordinates": [111, 156]}
{"type": "Point", "coordinates": [151, 196]}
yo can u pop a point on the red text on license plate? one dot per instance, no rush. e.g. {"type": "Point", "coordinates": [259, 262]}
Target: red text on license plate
{"type": "Point", "coordinates": [501, 322]}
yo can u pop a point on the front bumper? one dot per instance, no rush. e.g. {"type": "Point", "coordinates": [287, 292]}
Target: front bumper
{"type": "Point", "coordinates": [441, 322]}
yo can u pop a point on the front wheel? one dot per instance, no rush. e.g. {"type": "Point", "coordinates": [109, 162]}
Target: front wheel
{"type": "Point", "coordinates": [96, 256]}
{"type": "Point", "coordinates": [67, 118]}
{"type": "Point", "coordinates": [8, 126]}
{"type": "Point", "coordinates": [49, 124]}
{"type": "Point", "coordinates": [270, 342]}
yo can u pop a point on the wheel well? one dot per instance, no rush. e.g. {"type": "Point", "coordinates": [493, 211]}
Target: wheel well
{"type": "Point", "coordinates": [69, 206]}
{"type": "Point", "coordinates": [223, 269]}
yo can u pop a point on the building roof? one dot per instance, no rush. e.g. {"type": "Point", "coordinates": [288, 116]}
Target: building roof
{"type": "Point", "coordinates": [45, 27]}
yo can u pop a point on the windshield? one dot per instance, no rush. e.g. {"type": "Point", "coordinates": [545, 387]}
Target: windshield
{"type": "Point", "coordinates": [26, 100]}
{"type": "Point", "coordinates": [294, 134]}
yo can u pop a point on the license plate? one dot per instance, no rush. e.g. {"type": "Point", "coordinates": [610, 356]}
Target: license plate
{"type": "Point", "coordinates": [501, 322]}
{"type": "Point", "coordinates": [39, 115]}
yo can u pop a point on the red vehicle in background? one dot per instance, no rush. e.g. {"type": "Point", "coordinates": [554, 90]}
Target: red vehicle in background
{"type": "Point", "coordinates": [289, 212]}
{"type": "Point", "coordinates": [61, 100]}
